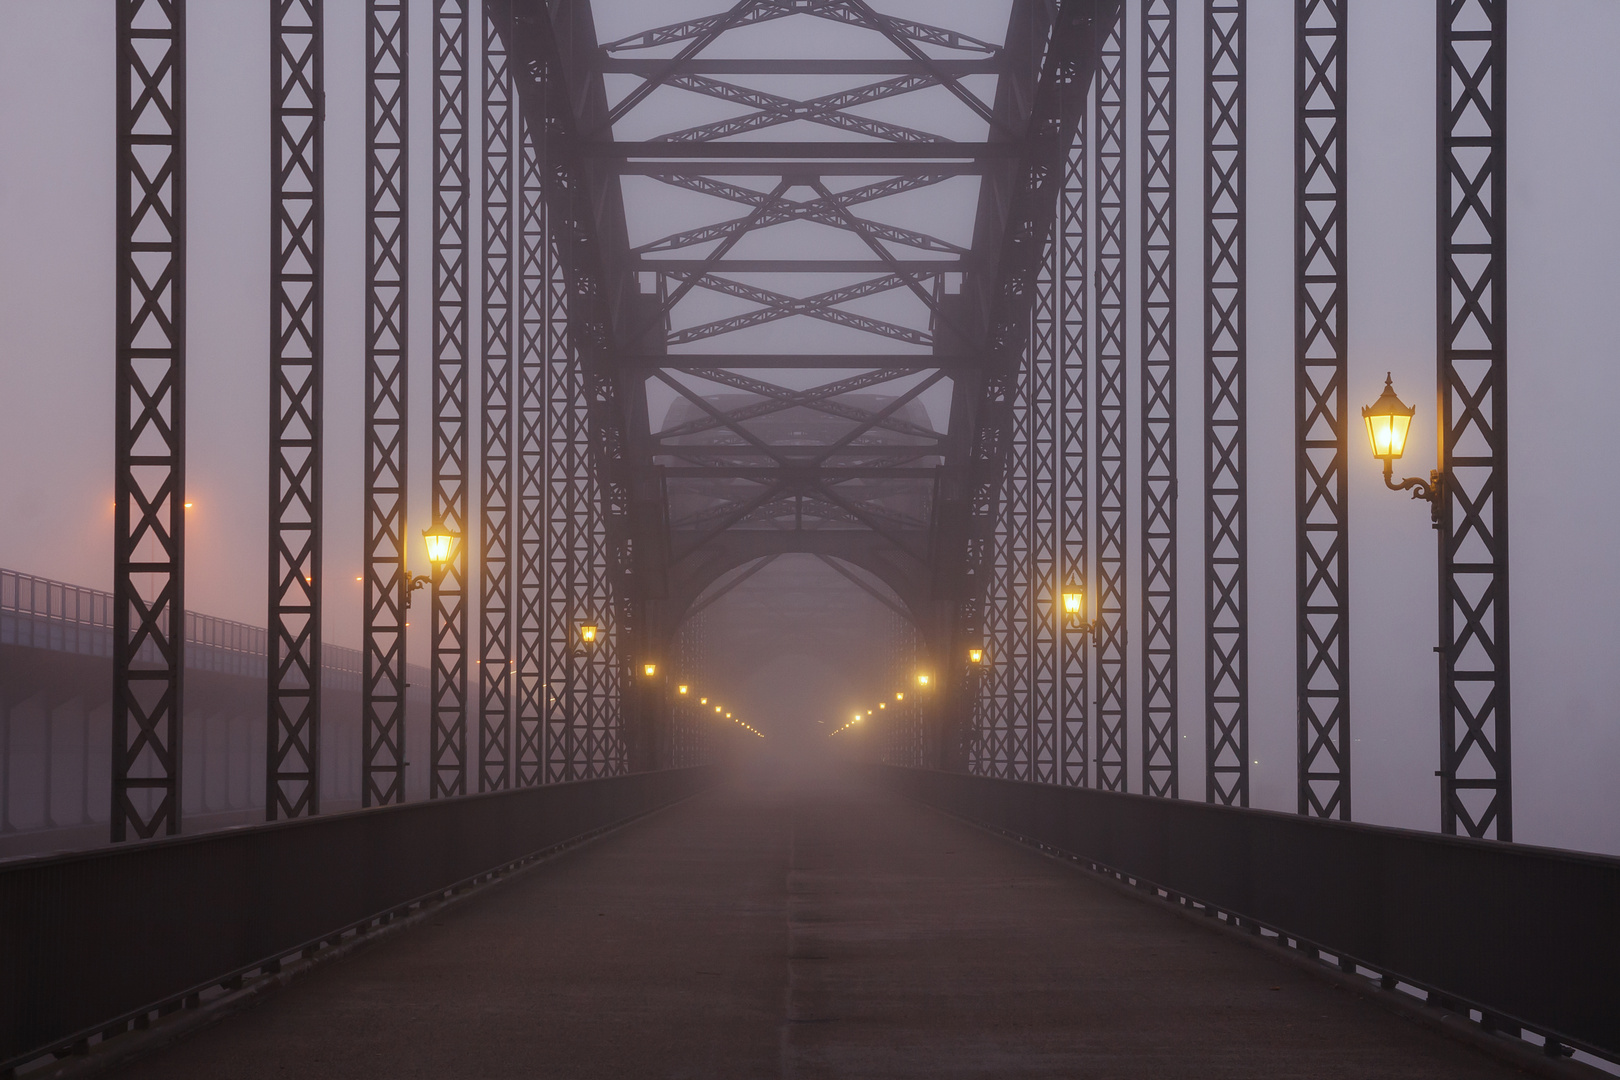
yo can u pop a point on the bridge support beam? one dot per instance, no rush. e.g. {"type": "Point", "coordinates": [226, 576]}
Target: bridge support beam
{"type": "Point", "coordinates": [1161, 743]}
{"type": "Point", "coordinates": [387, 584]}
{"type": "Point", "coordinates": [1226, 495]}
{"type": "Point", "coordinates": [1476, 760]}
{"type": "Point", "coordinates": [149, 442]}
{"type": "Point", "coordinates": [297, 303]}
{"type": "Point", "coordinates": [447, 728]}
{"type": "Point", "coordinates": [1321, 351]}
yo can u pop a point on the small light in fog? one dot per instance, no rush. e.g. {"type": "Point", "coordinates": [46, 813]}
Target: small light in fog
{"type": "Point", "coordinates": [189, 506]}
{"type": "Point", "coordinates": [649, 670]}
{"type": "Point", "coordinates": [900, 697]}
{"type": "Point", "coordinates": [681, 689]}
{"type": "Point", "coordinates": [703, 701]}
{"type": "Point", "coordinates": [717, 708]}
{"type": "Point", "coordinates": [922, 680]}
{"type": "Point", "coordinates": [975, 656]}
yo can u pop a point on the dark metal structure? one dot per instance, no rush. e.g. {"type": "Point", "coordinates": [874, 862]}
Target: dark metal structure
{"type": "Point", "coordinates": [1321, 351]}
{"type": "Point", "coordinates": [866, 338]}
{"type": "Point", "coordinates": [1113, 530]}
{"type": "Point", "coordinates": [387, 582]}
{"type": "Point", "coordinates": [495, 565]}
{"type": "Point", "coordinates": [1160, 727]}
{"type": "Point", "coordinates": [1226, 494]}
{"type": "Point", "coordinates": [1476, 773]}
{"type": "Point", "coordinates": [297, 362]}
{"type": "Point", "coordinates": [452, 73]}
{"type": "Point", "coordinates": [149, 488]}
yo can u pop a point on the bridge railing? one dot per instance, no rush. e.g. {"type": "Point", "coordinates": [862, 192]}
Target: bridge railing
{"type": "Point", "coordinates": [40, 613]}
{"type": "Point", "coordinates": [54, 716]}
{"type": "Point", "coordinates": [1527, 938]}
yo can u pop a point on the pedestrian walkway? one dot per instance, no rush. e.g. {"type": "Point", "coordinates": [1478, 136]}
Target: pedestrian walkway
{"type": "Point", "coordinates": [812, 927]}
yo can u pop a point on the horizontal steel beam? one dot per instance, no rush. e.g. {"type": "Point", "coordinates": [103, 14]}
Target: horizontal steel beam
{"type": "Point", "coordinates": [820, 168]}
{"type": "Point", "coordinates": [861, 151]}
{"type": "Point", "coordinates": [770, 472]}
{"type": "Point", "coordinates": [695, 66]}
{"type": "Point", "coordinates": [791, 361]}
{"type": "Point", "coordinates": [802, 266]}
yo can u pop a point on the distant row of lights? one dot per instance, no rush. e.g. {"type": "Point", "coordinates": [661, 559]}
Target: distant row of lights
{"type": "Point", "coordinates": [685, 690]}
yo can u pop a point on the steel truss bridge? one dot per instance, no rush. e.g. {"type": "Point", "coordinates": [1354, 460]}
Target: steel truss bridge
{"type": "Point", "coordinates": [701, 299]}
{"type": "Point", "coordinates": [646, 428]}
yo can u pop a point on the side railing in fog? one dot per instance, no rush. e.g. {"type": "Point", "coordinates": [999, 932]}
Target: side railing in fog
{"type": "Point", "coordinates": [55, 714]}
{"type": "Point", "coordinates": [1523, 937]}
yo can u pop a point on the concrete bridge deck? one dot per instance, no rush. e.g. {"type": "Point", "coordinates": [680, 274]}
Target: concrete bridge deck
{"type": "Point", "coordinates": [783, 927]}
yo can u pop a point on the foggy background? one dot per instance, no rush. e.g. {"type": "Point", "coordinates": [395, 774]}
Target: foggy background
{"type": "Point", "coordinates": [797, 644]}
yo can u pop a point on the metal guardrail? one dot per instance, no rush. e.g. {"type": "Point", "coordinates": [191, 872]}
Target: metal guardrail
{"type": "Point", "coordinates": [95, 943]}
{"type": "Point", "coordinates": [39, 613]}
{"type": "Point", "coordinates": [1529, 937]}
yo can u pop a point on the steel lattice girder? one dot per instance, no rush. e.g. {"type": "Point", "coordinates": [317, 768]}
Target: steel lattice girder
{"type": "Point", "coordinates": [150, 433]}
{"type": "Point", "coordinates": [1476, 776]}
{"type": "Point", "coordinates": [1074, 475]}
{"type": "Point", "coordinates": [1160, 745]}
{"type": "Point", "coordinates": [495, 660]}
{"type": "Point", "coordinates": [387, 588]}
{"type": "Point", "coordinates": [447, 729]}
{"type": "Point", "coordinates": [1226, 552]}
{"type": "Point", "coordinates": [1322, 538]}
{"type": "Point", "coordinates": [1112, 523]}
{"type": "Point", "coordinates": [297, 275]}
{"type": "Point", "coordinates": [1032, 122]}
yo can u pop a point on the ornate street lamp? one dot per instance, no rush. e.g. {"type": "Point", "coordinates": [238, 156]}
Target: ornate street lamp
{"type": "Point", "coordinates": [1074, 610]}
{"type": "Point", "coordinates": [441, 544]}
{"type": "Point", "coordinates": [975, 656]}
{"type": "Point", "coordinates": [1388, 421]}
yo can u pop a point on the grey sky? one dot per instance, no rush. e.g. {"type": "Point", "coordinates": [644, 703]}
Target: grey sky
{"type": "Point", "coordinates": [56, 179]}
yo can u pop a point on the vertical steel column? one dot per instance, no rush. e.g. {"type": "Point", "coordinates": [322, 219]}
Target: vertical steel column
{"type": "Point", "coordinates": [567, 596]}
{"type": "Point", "coordinates": [1160, 740]}
{"type": "Point", "coordinates": [1476, 773]}
{"type": "Point", "coordinates": [1321, 351]}
{"type": "Point", "coordinates": [150, 435]}
{"type": "Point", "coordinates": [387, 588]}
{"type": "Point", "coordinates": [1112, 524]}
{"type": "Point", "coordinates": [297, 274]}
{"type": "Point", "coordinates": [1041, 600]}
{"type": "Point", "coordinates": [1074, 282]}
{"type": "Point", "coordinates": [1015, 512]}
{"type": "Point", "coordinates": [1226, 502]}
{"type": "Point", "coordinates": [537, 609]}
{"type": "Point", "coordinates": [495, 659]}
{"type": "Point", "coordinates": [448, 727]}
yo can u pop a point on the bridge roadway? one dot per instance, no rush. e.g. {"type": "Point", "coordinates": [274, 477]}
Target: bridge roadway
{"type": "Point", "coordinates": [812, 927]}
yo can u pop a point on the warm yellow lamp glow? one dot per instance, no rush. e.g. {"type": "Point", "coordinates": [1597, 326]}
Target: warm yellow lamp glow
{"type": "Point", "coordinates": [587, 633]}
{"type": "Point", "coordinates": [681, 689]}
{"type": "Point", "coordinates": [1073, 601]}
{"type": "Point", "coordinates": [975, 656]}
{"type": "Point", "coordinates": [649, 670]}
{"type": "Point", "coordinates": [922, 680]}
{"type": "Point", "coordinates": [900, 697]}
{"type": "Point", "coordinates": [703, 701]}
{"type": "Point", "coordinates": [1388, 420]}
{"type": "Point", "coordinates": [883, 705]}
{"type": "Point", "coordinates": [440, 542]}
{"type": "Point", "coordinates": [717, 708]}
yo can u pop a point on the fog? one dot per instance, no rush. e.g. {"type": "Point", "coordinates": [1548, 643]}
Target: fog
{"type": "Point", "coordinates": [797, 645]}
